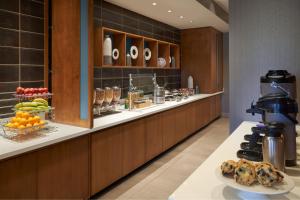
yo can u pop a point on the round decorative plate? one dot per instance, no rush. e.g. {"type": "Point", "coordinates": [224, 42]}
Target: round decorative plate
{"type": "Point", "coordinates": [285, 186]}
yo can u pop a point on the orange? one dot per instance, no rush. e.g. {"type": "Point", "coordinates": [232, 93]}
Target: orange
{"type": "Point", "coordinates": [23, 121]}
{"type": "Point", "coordinates": [36, 118]}
{"type": "Point", "coordinates": [21, 127]}
{"type": "Point", "coordinates": [18, 119]}
{"type": "Point", "coordinates": [15, 125]}
{"type": "Point", "coordinates": [36, 124]}
{"type": "Point", "coordinates": [14, 119]}
{"type": "Point", "coordinates": [19, 114]}
{"type": "Point", "coordinates": [28, 125]}
{"type": "Point", "coordinates": [25, 115]}
{"type": "Point", "coordinates": [42, 122]}
{"type": "Point", "coordinates": [31, 120]}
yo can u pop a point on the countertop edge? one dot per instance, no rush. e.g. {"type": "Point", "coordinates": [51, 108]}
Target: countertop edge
{"type": "Point", "coordinates": [83, 131]}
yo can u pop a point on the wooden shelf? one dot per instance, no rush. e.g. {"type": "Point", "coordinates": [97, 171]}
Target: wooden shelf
{"type": "Point", "coordinates": [118, 42]}
{"type": "Point", "coordinates": [138, 41]}
{"type": "Point", "coordinates": [164, 52]}
{"type": "Point", "coordinates": [123, 41]}
{"type": "Point", "coordinates": [153, 46]}
{"type": "Point", "coordinates": [175, 52]}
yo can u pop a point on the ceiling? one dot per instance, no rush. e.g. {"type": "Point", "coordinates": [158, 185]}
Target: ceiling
{"type": "Point", "coordinates": [194, 14]}
{"type": "Point", "coordinates": [223, 4]}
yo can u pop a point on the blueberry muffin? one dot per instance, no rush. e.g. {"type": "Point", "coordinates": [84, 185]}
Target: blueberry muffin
{"type": "Point", "coordinates": [228, 167]}
{"type": "Point", "coordinates": [267, 175]}
{"type": "Point", "coordinates": [245, 172]}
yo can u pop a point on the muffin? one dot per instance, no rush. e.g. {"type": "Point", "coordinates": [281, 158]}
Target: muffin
{"type": "Point", "coordinates": [228, 167]}
{"type": "Point", "coordinates": [245, 172]}
{"type": "Point", "coordinates": [267, 175]}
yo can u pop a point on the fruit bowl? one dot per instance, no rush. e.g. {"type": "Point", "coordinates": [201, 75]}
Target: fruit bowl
{"type": "Point", "coordinates": [13, 133]}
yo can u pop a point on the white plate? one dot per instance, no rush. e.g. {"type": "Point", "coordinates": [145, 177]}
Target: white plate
{"type": "Point", "coordinates": [285, 186]}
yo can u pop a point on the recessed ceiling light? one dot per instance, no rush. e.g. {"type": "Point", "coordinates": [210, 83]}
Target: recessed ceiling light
{"type": "Point", "coordinates": [169, 11]}
{"type": "Point", "coordinates": [181, 17]}
{"type": "Point", "coordinates": [191, 21]}
{"type": "Point", "coordinates": [154, 4]}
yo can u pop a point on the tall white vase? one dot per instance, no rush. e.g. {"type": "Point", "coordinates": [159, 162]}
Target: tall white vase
{"type": "Point", "coordinates": [107, 50]}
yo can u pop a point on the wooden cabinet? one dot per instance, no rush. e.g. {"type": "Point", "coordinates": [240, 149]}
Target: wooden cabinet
{"type": "Point", "coordinates": [18, 177]}
{"type": "Point", "coordinates": [133, 145]}
{"type": "Point", "coordinates": [180, 123]}
{"type": "Point", "coordinates": [168, 128]}
{"type": "Point", "coordinates": [201, 57]}
{"type": "Point", "coordinates": [154, 136]}
{"type": "Point", "coordinates": [106, 158]}
{"type": "Point", "coordinates": [63, 170]}
{"type": "Point", "coordinates": [191, 118]}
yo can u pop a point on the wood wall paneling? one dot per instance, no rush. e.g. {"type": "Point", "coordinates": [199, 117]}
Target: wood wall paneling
{"type": "Point", "coordinates": [66, 62]}
{"type": "Point", "coordinates": [63, 170]}
{"type": "Point", "coordinates": [106, 158]}
{"type": "Point", "coordinates": [201, 54]}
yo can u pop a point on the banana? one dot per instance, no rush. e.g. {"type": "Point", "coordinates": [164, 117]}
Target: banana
{"type": "Point", "coordinates": [40, 100]}
{"type": "Point", "coordinates": [19, 105]}
{"type": "Point", "coordinates": [26, 108]}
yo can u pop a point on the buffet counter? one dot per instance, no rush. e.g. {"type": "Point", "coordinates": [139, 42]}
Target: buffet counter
{"type": "Point", "coordinates": [204, 184]}
{"type": "Point", "coordinates": [10, 148]}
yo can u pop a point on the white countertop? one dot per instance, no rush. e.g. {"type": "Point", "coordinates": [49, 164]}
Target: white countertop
{"type": "Point", "coordinates": [9, 148]}
{"type": "Point", "coordinates": [203, 183]}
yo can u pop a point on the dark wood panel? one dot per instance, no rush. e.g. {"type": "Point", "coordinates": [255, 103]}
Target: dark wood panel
{"type": "Point", "coordinates": [63, 170]}
{"type": "Point", "coordinates": [133, 145]}
{"type": "Point", "coordinates": [154, 136]}
{"type": "Point", "coordinates": [18, 177]}
{"type": "Point", "coordinates": [106, 158]}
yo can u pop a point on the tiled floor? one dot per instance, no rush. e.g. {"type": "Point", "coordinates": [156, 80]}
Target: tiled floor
{"type": "Point", "coordinates": [159, 178]}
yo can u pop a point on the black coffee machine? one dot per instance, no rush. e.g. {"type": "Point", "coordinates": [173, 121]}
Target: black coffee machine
{"type": "Point", "coordinates": [278, 104]}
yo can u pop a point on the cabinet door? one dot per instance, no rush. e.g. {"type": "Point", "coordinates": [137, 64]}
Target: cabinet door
{"type": "Point", "coordinates": [133, 145]}
{"type": "Point", "coordinates": [180, 123]}
{"type": "Point", "coordinates": [63, 170]}
{"type": "Point", "coordinates": [191, 118]}
{"type": "Point", "coordinates": [106, 158]}
{"type": "Point", "coordinates": [168, 127]}
{"type": "Point", "coordinates": [18, 177]}
{"type": "Point", "coordinates": [154, 136]}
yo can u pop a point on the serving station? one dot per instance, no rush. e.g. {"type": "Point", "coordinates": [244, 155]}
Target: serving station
{"type": "Point", "coordinates": [205, 184]}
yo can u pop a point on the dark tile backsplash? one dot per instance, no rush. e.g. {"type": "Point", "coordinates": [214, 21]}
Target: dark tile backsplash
{"type": "Point", "coordinates": [109, 77]}
{"type": "Point", "coordinates": [115, 17]}
{"type": "Point", "coordinates": [21, 48]}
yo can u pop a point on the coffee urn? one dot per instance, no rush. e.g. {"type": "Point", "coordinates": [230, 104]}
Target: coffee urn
{"type": "Point", "coordinates": [278, 81]}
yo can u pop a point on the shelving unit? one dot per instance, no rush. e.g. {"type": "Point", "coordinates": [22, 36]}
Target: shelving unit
{"type": "Point", "coordinates": [123, 41]}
